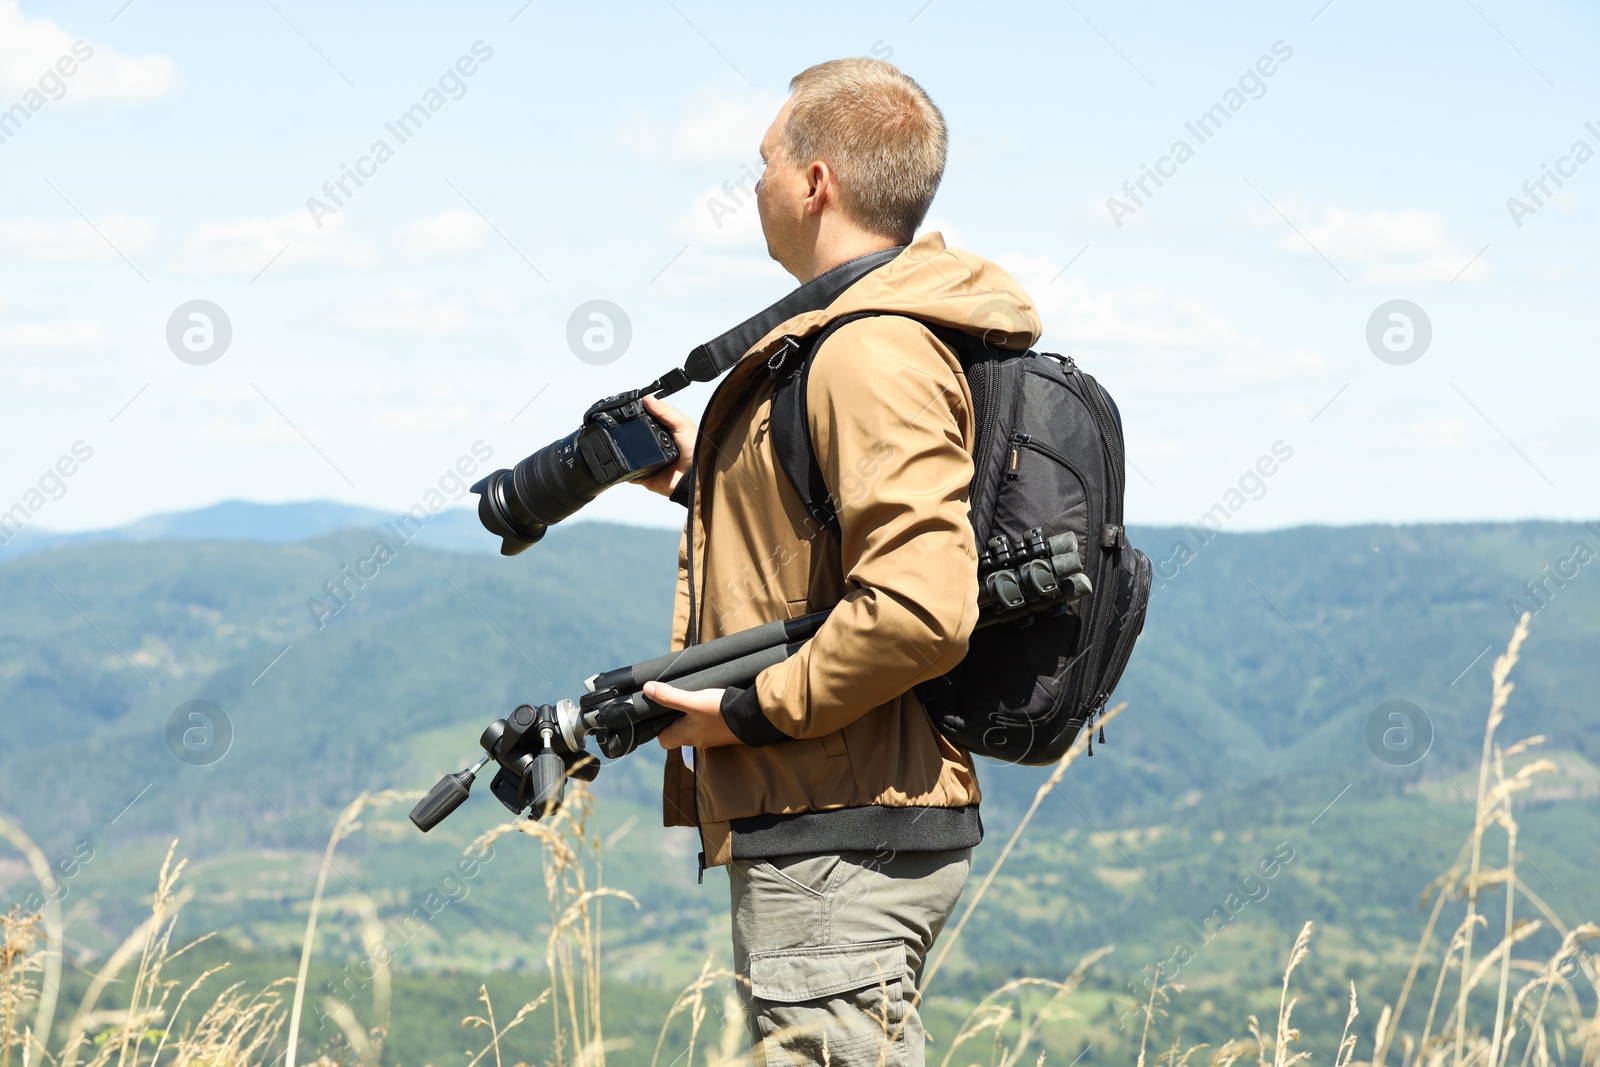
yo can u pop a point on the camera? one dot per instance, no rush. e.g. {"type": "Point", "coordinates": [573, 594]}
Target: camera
{"type": "Point", "coordinates": [619, 441]}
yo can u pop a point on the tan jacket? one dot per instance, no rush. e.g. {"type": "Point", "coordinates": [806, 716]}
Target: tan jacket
{"type": "Point", "coordinates": [891, 423]}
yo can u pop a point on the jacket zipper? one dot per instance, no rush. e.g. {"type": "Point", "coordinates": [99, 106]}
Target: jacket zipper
{"type": "Point", "coordinates": [693, 636]}
{"type": "Point", "coordinates": [694, 485]}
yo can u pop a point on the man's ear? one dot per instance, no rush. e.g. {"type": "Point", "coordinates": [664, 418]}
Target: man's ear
{"type": "Point", "coordinates": [819, 186]}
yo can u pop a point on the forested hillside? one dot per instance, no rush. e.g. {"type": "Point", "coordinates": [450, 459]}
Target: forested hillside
{"type": "Point", "coordinates": [1247, 739]}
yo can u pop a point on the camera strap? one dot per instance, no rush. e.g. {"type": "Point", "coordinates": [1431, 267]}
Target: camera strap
{"type": "Point", "coordinates": [708, 361]}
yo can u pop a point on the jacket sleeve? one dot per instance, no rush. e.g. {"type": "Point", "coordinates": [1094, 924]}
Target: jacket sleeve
{"type": "Point", "coordinates": [891, 420]}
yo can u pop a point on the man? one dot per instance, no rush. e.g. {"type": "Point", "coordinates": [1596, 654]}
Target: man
{"type": "Point", "coordinates": [846, 820]}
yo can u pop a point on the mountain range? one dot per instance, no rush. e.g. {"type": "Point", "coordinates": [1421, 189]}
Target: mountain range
{"type": "Point", "coordinates": [1261, 714]}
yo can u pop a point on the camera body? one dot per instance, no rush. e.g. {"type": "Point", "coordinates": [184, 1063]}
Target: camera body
{"type": "Point", "coordinates": [619, 441]}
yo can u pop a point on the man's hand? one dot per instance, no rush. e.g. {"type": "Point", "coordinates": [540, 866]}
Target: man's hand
{"type": "Point", "coordinates": [702, 725]}
{"type": "Point", "coordinates": [665, 480]}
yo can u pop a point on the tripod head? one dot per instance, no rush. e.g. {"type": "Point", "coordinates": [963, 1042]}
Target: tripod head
{"type": "Point", "coordinates": [537, 748]}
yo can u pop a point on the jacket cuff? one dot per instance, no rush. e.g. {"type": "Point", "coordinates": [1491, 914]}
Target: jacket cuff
{"type": "Point", "coordinates": [680, 492]}
{"type": "Point", "coordinates": [741, 710]}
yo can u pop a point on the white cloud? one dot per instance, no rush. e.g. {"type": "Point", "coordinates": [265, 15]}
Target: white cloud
{"type": "Point", "coordinates": [31, 48]}
{"type": "Point", "coordinates": [76, 241]}
{"type": "Point", "coordinates": [1395, 248]}
{"type": "Point", "coordinates": [208, 391]}
{"type": "Point", "coordinates": [49, 335]}
{"type": "Point", "coordinates": [980, 144]}
{"type": "Point", "coordinates": [425, 420]}
{"type": "Point", "coordinates": [265, 430]}
{"type": "Point", "coordinates": [725, 217]}
{"type": "Point", "coordinates": [246, 246]}
{"type": "Point", "coordinates": [1553, 274]}
{"type": "Point", "coordinates": [953, 237]}
{"type": "Point", "coordinates": [1451, 433]}
{"type": "Point", "coordinates": [1094, 214]}
{"type": "Point", "coordinates": [450, 235]}
{"type": "Point", "coordinates": [497, 299]}
{"type": "Point", "coordinates": [1175, 338]}
{"type": "Point", "coordinates": [736, 274]}
{"type": "Point", "coordinates": [1377, 235]}
{"type": "Point", "coordinates": [1434, 270]}
{"type": "Point", "coordinates": [407, 311]}
{"type": "Point", "coordinates": [716, 129]}
{"type": "Point", "coordinates": [1138, 316]}
{"type": "Point", "coordinates": [713, 126]}
{"type": "Point", "coordinates": [1563, 199]}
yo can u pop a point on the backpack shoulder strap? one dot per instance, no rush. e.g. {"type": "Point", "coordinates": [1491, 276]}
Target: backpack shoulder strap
{"type": "Point", "coordinates": [790, 422]}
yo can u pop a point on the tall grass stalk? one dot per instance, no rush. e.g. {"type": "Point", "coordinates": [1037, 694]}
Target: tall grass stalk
{"type": "Point", "coordinates": [567, 848]}
{"type": "Point", "coordinates": [346, 824]}
{"type": "Point", "coordinates": [50, 914]}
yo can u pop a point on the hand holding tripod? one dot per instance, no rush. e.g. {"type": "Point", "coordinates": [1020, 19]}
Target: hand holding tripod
{"type": "Point", "coordinates": [539, 747]}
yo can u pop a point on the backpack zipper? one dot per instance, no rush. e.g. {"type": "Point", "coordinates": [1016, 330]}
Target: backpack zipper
{"type": "Point", "coordinates": [1124, 647]}
{"type": "Point", "coordinates": [1094, 400]}
{"type": "Point", "coordinates": [1020, 440]}
{"type": "Point", "coordinates": [985, 406]}
{"type": "Point", "coordinates": [986, 375]}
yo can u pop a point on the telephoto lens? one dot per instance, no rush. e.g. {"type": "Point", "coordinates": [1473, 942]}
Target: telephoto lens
{"type": "Point", "coordinates": [518, 505]}
{"type": "Point", "coordinates": [618, 441]}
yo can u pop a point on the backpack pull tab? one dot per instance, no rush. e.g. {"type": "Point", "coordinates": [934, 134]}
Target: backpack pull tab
{"type": "Point", "coordinates": [701, 862]}
{"type": "Point", "coordinates": [1090, 725]}
{"type": "Point", "coordinates": [776, 360]}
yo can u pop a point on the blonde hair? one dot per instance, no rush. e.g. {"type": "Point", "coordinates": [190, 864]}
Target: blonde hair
{"type": "Point", "coordinates": [878, 131]}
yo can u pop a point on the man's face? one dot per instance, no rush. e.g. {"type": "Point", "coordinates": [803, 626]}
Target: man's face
{"type": "Point", "coordinates": [780, 198]}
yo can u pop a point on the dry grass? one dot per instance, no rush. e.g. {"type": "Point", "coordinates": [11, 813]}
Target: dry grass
{"type": "Point", "coordinates": [1542, 1023]}
{"type": "Point", "coordinates": [1538, 1018]}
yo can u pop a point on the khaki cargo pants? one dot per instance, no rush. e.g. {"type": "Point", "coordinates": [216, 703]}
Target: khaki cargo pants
{"type": "Point", "coordinates": [833, 947]}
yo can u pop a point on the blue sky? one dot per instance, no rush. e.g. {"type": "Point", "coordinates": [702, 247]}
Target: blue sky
{"type": "Point", "coordinates": [1228, 314]}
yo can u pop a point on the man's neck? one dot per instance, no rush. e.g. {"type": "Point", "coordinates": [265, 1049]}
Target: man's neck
{"type": "Point", "coordinates": [842, 248]}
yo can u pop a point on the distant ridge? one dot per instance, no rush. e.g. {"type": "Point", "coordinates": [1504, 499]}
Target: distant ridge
{"type": "Point", "coordinates": [451, 530]}
{"type": "Point", "coordinates": [458, 530]}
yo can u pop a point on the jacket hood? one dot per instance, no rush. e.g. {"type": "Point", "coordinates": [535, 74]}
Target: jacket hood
{"type": "Point", "coordinates": [945, 286]}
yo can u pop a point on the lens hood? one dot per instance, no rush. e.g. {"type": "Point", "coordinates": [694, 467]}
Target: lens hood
{"type": "Point", "coordinates": [494, 511]}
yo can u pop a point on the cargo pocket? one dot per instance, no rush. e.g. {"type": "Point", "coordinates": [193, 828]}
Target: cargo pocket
{"type": "Point", "coordinates": [836, 1004]}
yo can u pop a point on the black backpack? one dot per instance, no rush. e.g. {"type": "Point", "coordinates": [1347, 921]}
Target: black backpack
{"type": "Point", "coordinates": [1048, 461]}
